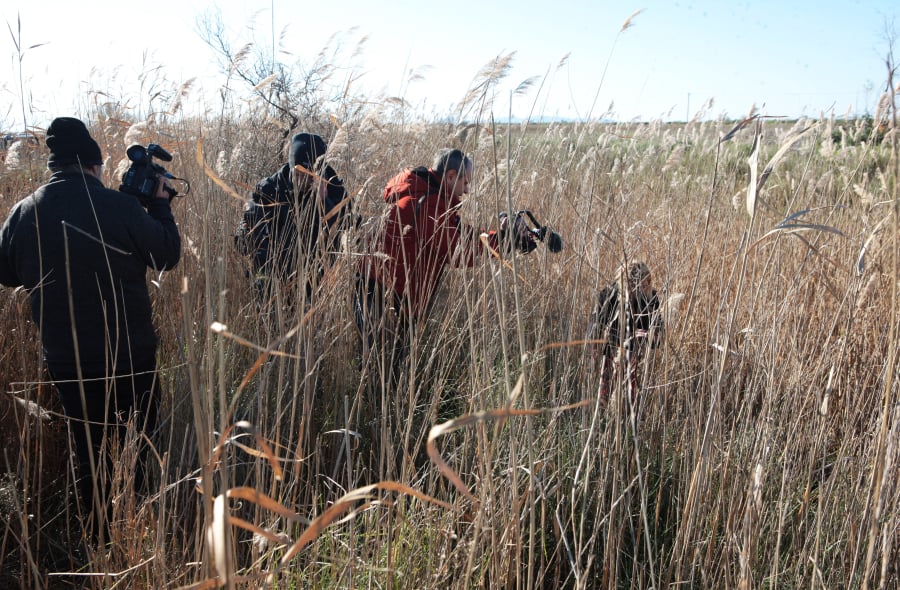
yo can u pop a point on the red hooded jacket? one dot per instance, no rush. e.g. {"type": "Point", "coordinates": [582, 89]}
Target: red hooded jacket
{"type": "Point", "coordinates": [421, 235]}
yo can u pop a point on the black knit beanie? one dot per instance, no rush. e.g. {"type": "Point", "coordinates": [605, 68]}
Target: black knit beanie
{"type": "Point", "coordinates": [71, 143]}
{"type": "Point", "coordinates": [306, 149]}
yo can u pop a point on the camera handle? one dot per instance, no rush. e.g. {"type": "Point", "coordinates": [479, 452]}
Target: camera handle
{"type": "Point", "coordinates": [172, 191]}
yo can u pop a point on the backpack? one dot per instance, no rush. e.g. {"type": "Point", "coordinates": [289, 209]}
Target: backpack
{"type": "Point", "coordinates": [416, 182]}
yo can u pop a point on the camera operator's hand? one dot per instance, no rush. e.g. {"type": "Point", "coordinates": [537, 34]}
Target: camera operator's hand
{"type": "Point", "coordinates": [163, 189]}
{"type": "Point", "coordinates": [321, 190]}
{"type": "Point", "coordinates": [525, 239]}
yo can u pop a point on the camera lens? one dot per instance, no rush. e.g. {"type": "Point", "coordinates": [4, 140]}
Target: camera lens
{"type": "Point", "coordinates": [554, 242]}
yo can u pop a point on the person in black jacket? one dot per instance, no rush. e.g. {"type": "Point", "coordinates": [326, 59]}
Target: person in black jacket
{"type": "Point", "coordinates": [627, 326]}
{"type": "Point", "coordinates": [291, 221]}
{"type": "Point", "coordinates": [82, 252]}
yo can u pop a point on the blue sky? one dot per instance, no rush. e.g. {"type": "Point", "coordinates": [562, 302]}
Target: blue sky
{"type": "Point", "coordinates": [787, 58]}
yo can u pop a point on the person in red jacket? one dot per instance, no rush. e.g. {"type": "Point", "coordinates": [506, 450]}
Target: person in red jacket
{"type": "Point", "coordinates": [421, 236]}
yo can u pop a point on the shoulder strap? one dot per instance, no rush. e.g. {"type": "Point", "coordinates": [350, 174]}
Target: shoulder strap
{"type": "Point", "coordinates": [432, 183]}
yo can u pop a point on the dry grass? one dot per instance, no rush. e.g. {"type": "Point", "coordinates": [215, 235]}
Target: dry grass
{"type": "Point", "coordinates": [762, 450]}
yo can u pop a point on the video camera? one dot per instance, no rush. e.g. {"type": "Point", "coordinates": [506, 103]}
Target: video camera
{"type": "Point", "coordinates": [143, 176]}
{"type": "Point", "coordinates": [524, 221]}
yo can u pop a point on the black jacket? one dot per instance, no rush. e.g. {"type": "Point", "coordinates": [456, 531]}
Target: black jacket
{"type": "Point", "coordinates": [75, 240]}
{"type": "Point", "coordinates": [276, 226]}
{"type": "Point", "coordinates": [641, 314]}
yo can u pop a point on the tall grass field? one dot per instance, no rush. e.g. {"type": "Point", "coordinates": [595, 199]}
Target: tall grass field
{"type": "Point", "coordinates": [762, 449]}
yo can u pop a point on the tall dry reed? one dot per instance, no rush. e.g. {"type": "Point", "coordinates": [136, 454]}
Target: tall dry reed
{"type": "Point", "coordinates": [761, 449]}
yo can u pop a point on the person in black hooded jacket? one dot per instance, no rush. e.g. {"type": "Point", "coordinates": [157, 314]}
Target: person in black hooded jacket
{"type": "Point", "coordinates": [292, 219]}
{"type": "Point", "coordinates": [628, 327]}
{"type": "Point", "coordinates": [82, 252]}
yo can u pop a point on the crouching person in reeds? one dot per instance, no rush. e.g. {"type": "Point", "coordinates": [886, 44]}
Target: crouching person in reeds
{"type": "Point", "coordinates": [421, 236]}
{"type": "Point", "coordinates": [628, 325]}
{"type": "Point", "coordinates": [291, 222]}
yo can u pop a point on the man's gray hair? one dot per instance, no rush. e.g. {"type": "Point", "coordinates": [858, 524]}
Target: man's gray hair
{"type": "Point", "coordinates": [450, 159]}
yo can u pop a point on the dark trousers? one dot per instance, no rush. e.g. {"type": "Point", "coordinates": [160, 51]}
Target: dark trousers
{"type": "Point", "coordinates": [386, 346]}
{"type": "Point", "coordinates": [383, 324]}
{"type": "Point", "coordinates": [613, 364]}
{"type": "Point", "coordinates": [98, 423]}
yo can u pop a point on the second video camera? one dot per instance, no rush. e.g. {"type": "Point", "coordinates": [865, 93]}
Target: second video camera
{"type": "Point", "coordinates": [143, 175]}
{"type": "Point", "coordinates": [540, 233]}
